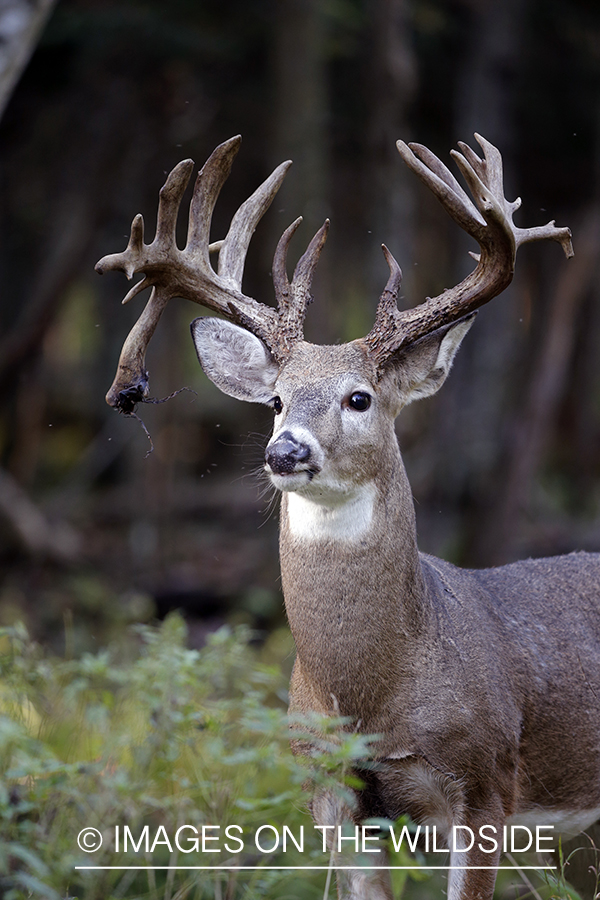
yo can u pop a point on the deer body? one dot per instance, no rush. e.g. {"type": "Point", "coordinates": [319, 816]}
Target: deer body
{"type": "Point", "coordinates": [485, 693]}
{"type": "Point", "coordinates": [478, 681]}
{"type": "Point", "coordinates": [484, 686]}
{"type": "Point", "coordinates": [468, 675]}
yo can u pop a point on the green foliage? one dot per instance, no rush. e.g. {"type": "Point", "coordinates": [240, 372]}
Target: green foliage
{"type": "Point", "coordinates": [559, 887]}
{"type": "Point", "coordinates": [174, 737]}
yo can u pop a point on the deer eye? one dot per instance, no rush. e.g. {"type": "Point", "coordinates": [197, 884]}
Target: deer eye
{"type": "Point", "coordinates": [277, 405]}
{"type": "Point", "coordinates": [360, 401]}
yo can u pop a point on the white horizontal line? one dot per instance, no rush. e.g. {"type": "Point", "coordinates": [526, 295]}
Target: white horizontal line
{"type": "Point", "coordinates": [315, 868]}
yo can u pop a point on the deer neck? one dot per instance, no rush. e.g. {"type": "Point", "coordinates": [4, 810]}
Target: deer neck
{"type": "Point", "coordinates": [353, 586]}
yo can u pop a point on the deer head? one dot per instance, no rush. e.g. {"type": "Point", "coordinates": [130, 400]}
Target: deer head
{"type": "Point", "coordinates": [256, 352]}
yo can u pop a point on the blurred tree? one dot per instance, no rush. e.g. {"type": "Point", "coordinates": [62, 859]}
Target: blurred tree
{"type": "Point", "coordinates": [21, 23]}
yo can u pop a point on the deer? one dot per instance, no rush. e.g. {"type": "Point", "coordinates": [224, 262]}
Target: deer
{"type": "Point", "coordinates": [483, 686]}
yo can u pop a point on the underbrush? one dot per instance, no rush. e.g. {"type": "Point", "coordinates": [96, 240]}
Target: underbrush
{"type": "Point", "coordinates": [138, 777]}
{"type": "Point", "coordinates": [174, 758]}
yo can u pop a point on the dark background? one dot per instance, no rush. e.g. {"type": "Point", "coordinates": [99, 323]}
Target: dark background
{"type": "Point", "coordinates": [504, 462]}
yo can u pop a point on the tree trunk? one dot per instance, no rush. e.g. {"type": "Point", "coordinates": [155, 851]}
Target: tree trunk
{"type": "Point", "coordinates": [21, 23]}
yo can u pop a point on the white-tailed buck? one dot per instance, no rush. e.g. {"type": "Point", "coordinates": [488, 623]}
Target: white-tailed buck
{"type": "Point", "coordinates": [484, 685]}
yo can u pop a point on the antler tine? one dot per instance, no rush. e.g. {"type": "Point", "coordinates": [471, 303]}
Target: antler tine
{"type": "Point", "coordinates": [305, 268]}
{"type": "Point", "coordinates": [232, 256]}
{"type": "Point", "coordinates": [134, 247]}
{"type": "Point", "coordinates": [169, 201]}
{"type": "Point", "coordinates": [280, 278]}
{"type": "Point", "coordinates": [491, 164]}
{"type": "Point", "coordinates": [489, 168]}
{"type": "Point", "coordinates": [546, 232]}
{"type": "Point", "coordinates": [487, 218]}
{"type": "Point", "coordinates": [210, 180]}
{"type": "Point", "coordinates": [293, 299]}
{"type": "Point", "coordinates": [394, 282]}
{"type": "Point", "coordinates": [386, 318]}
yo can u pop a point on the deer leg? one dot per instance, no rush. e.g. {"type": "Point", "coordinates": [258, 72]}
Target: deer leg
{"type": "Point", "coordinates": [372, 883]}
{"type": "Point", "coordinates": [431, 797]}
{"type": "Point", "coordinates": [474, 855]}
{"type": "Point", "coordinates": [366, 884]}
{"type": "Point", "coordinates": [471, 883]}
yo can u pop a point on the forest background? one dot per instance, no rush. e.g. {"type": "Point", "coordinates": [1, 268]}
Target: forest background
{"type": "Point", "coordinates": [504, 462]}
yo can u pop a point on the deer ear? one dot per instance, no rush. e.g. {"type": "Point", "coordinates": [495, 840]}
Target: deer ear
{"type": "Point", "coordinates": [420, 369]}
{"type": "Point", "coordinates": [236, 361]}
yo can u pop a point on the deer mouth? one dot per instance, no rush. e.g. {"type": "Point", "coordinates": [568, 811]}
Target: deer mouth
{"type": "Point", "coordinates": [291, 480]}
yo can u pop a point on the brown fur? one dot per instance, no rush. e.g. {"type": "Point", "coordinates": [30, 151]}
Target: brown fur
{"type": "Point", "coordinates": [488, 681]}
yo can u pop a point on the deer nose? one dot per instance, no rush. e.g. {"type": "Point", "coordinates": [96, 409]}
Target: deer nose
{"type": "Point", "coordinates": [285, 453]}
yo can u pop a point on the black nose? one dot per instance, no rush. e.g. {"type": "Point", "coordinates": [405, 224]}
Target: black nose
{"type": "Point", "coordinates": [285, 453]}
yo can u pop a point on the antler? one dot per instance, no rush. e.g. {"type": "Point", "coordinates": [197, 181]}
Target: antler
{"type": "Point", "coordinates": [188, 273]}
{"type": "Point", "coordinates": [488, 219]}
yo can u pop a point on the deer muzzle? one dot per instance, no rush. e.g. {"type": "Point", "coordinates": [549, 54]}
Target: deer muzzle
{"type": "Point", "coordinates": [286, 455]}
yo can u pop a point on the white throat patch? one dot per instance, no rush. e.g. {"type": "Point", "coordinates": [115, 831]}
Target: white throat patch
{"type": "Point", "coordinates": [348, 521]}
